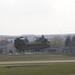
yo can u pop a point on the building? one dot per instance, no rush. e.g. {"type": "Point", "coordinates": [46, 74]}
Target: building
{"type": "Point", "coordinates": [10, 48]}
{"type": "Point", "coordinates": [6, 47]}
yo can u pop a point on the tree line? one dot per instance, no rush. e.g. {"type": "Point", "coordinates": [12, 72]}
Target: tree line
{"type": "Point", "coordinates": [70, 41]}
{"type": "Point", "coordinates": [59, 42]}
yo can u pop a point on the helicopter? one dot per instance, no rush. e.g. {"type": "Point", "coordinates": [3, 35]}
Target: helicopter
{"type": "Point", "coordinates": [22, 43]}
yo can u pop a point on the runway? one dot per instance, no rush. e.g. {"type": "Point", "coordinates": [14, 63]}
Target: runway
{"type": "Point", "coordinates": [33, 62]}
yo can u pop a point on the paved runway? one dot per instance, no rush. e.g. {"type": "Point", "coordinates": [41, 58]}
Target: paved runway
{"type": "Point", "coordinates": [33, 62]}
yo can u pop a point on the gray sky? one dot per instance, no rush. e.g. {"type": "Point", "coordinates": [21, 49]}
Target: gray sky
{"type": "Point", "coordinates": [37, 17]}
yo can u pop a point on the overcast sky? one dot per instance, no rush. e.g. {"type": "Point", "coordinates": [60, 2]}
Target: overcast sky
{"type": "Point", "coordinates": [19, 17]}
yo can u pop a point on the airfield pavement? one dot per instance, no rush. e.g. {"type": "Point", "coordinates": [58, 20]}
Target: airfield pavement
{"type": "Point", "coordinates": [33, 62]}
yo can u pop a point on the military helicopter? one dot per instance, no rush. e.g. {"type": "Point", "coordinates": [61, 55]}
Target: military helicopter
{"type": "Point", "coordinates": [23, 44]}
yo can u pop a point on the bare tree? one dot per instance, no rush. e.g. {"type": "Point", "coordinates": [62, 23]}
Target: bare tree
{"type": "Point", "coordinates": [57, 42]}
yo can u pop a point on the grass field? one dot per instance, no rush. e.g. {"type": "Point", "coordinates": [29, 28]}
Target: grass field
{"type": "Point", "coordinates": [34, 57]}
{"type": "Point", "coordinates": [38, 69]}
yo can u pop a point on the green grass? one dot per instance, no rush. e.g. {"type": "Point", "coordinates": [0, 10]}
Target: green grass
{"type": "Point", "coordinates": [38, 69]}
{"type": "Point", "coordinates": [35, 57]}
